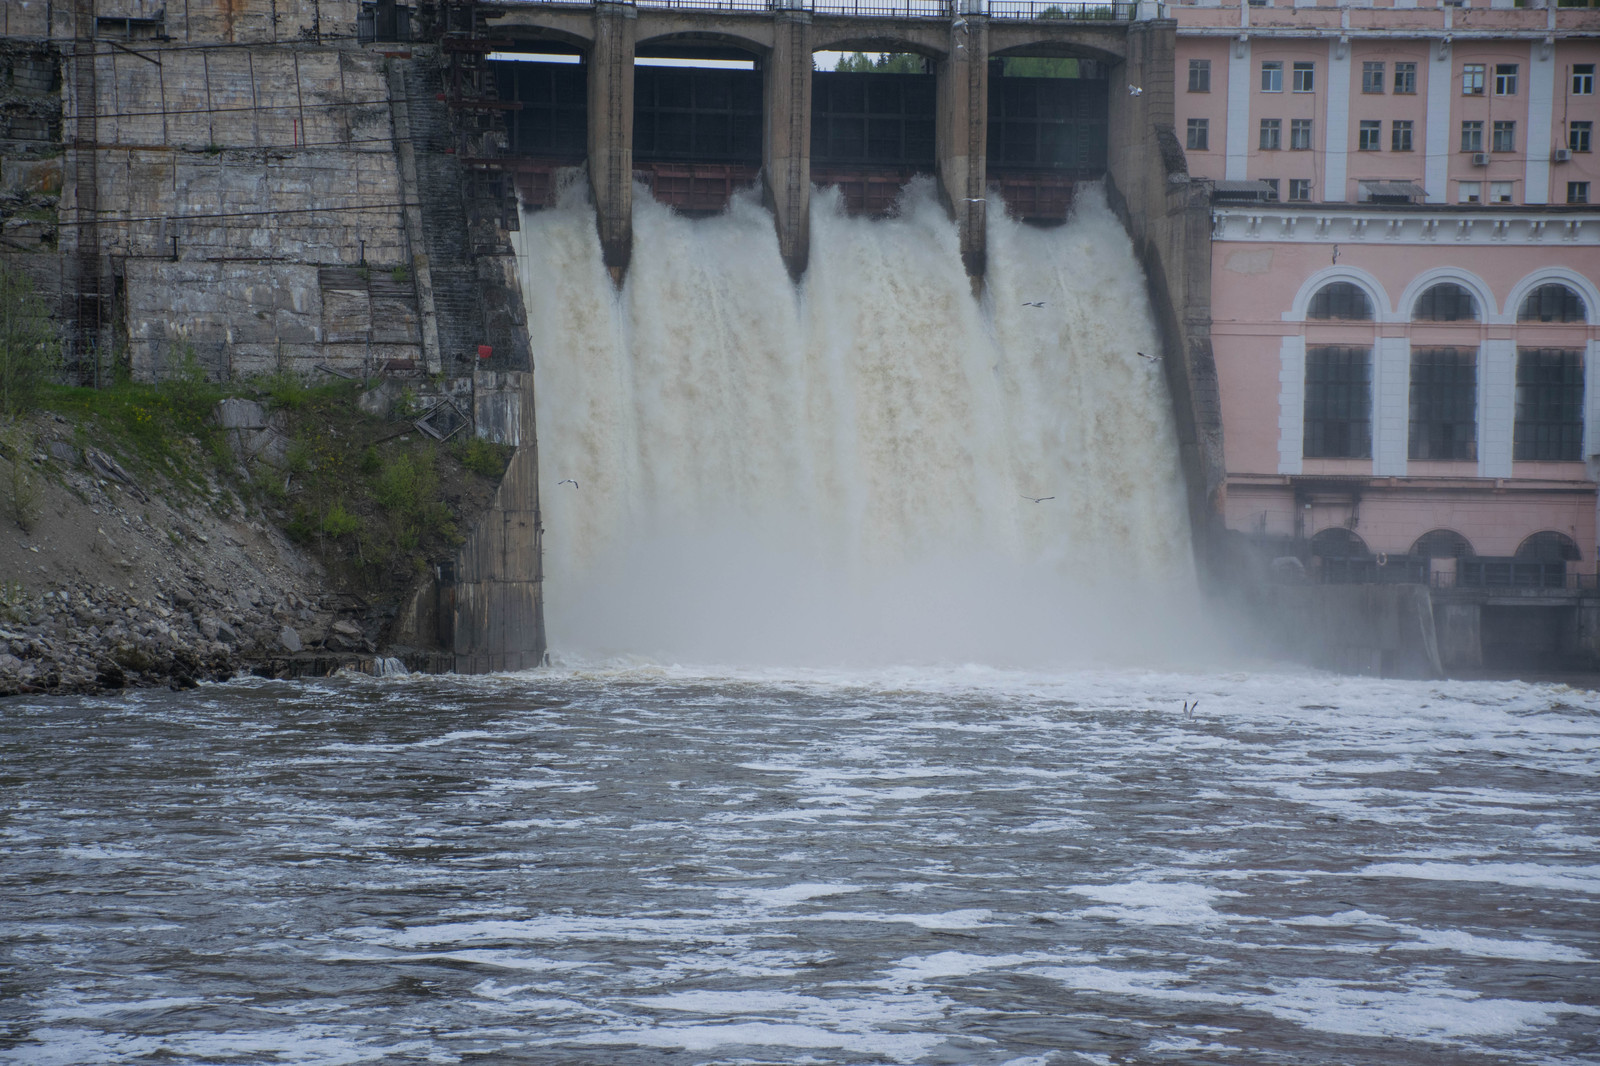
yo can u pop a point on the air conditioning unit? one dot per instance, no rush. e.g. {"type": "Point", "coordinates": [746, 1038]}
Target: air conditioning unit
{"type": "Point", "coordinates": [1561, 155]}
{"type": "Point", "coordinates": [1480, 159]}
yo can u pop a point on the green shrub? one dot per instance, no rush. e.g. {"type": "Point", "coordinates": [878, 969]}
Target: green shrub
{"type": "Point", "coordinates": [30, 353]}
{"type": "Point", "coordinates": [482, 457]}
{"type": "Point", "coordinates": [339, 522]}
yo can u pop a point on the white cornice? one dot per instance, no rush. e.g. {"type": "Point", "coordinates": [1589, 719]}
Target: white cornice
{"type": "Point", "coordinates": [1410, 33]}
{"type": "Point", "coordinates": [1315, 224]}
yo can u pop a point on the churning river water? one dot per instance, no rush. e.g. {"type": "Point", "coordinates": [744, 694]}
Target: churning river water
{"type": "Point", "coordinates": [952, 866]}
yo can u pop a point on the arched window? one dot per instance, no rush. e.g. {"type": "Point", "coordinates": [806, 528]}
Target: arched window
{"type": "Point", "coordinates": [1442, 544]}
{"type": "Point", "coordinates": [1336, 542]}
{"type": "Point", "coordinates": [1446, 302]}
{"type": "Point", "coordinates": [1552, 303]}
{"type": "Point", "coordinates": [1549, 547]}
{"type": "Point", "coordinates": [1341, 300]}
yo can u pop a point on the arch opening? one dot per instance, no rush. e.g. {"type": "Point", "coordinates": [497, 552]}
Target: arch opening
{"type": "Point", "coordinates": [1552, 302]}
{"type": "Point", "coordinates": [1341, 301]}
{"type": "Point", "coordinates": [1446, 301]}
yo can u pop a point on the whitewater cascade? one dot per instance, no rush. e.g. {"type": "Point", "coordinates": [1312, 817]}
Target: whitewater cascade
{"type": "Point", "coordinates": [836, 472]}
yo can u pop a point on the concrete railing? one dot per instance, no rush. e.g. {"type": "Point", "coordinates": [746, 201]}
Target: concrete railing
{"type": "Point", "coordinates": [1022, 10]}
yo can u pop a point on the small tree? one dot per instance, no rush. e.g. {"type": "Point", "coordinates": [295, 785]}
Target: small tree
{"type": "Point", "coordinates": [30, 352]}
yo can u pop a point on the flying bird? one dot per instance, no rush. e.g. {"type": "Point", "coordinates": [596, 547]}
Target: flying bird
{"type": "Point", "coordinates": [567, 481]}
{"type": "Point", "coordinates": [1190, 708]}
{"type": "Point", "coordinates": [1134, 90]}
{"type": "Point", "coordinates": [1152, 358]}
{"type": "Point", "coordinates": [1027, 303]}
{"type": "Point", "coordinates": [975, 199]}
{"type": "Point", "coordinates": [1037, 499]}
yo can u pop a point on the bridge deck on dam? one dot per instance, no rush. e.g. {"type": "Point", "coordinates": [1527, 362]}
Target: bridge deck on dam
{"type": "Point", "coordinates": [692, 135]}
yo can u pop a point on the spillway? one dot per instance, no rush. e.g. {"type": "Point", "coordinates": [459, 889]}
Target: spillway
{"type": "Point", "coordinates": [840, 470]}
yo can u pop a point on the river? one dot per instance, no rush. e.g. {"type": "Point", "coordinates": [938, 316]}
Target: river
{"type": "Point", "coordinates": [639, 864]}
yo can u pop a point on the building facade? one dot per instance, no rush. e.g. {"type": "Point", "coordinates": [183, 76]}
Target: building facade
{"type": "Point", "coordinates": [1406, 291]}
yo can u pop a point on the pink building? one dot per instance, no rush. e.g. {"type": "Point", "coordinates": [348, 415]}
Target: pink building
{"type": "Point", "coordinates": [1406, 294]}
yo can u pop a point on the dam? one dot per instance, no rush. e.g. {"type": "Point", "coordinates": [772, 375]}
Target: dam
{"type": "Point", "coordinates": [324, 186]}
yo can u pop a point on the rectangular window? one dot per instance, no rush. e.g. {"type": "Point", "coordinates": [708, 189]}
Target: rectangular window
{"type": "Point", "coordinates": [1300, 134]}
{"type": "Point", "coordinates": [1405, 79]}
{"type": "Point", "coordinates": [1272, 77]}
{"type": "Point", "coordinates": [1577, 192]}
{"type": "Point", "coordinates": [1444, 403]}
{"type": "Point", "coordinates": [1472, 79]}
{"type": "Point", "coordinates": [1505, 137]}
{"type": "Point", "coordinates": [1549, 419]}
{"type": "Point", "coordinates": [1471, 192]}
{"type": "Point", "coordinates": [1271, 183]}
{"type": "Point", "coordinates": [1472, 136]}
{"type": "Point", "coordinates": [1371, 136]}
{"type": "Point", "coordinates": [1400, 136]}
{"type": "Point", "coordinates": [1338, 411]}
{"type": "Point", "coordinates": [1199, 128]}
{"type": "Point", "coordinates": [1583, 79]}
{"type": "Point", "coordinates": [1372, 77]}
{"type": "Point", "coordinates": [1500, 192]}
{"type": "Point", "coordinates": [1300, 189]}
{"type": "Point", "coordinates": [1199, 75]}
{"type": "Point", "coordinates": [1305, 77]}
{"type": "Point", "coordinates": [1271, 134]}
{"type": "Point", "coordinates": [1505, 79]}
{"type": "Point", "coordinates": [1578, 136]}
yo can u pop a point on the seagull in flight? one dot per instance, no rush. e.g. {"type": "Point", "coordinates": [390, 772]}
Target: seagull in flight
{"type": "Point", "coordinates": [1027, 303]}
{"type": "Point", "coordinates": [975, 199]}
{"type": "Point", "coordinates": [1152, 358]}
{"type": "Point", "coordinates": [1134, 90]}
{"type": "Point", "coordinates": [567, 481]}
{"type": "Point", "coordinates": [1190, 708]}
{"type": "Point", "coordinates": [1037, 499]}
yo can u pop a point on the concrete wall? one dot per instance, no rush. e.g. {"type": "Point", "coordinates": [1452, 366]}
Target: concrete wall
{"type": "Point", "coordinates": [1169, 217]}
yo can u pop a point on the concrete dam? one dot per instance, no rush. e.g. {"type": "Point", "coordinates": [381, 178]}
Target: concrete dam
{"type": "Point", "coordinates": [833, 329]}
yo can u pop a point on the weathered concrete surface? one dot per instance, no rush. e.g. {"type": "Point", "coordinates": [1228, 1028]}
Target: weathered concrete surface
{"type": "Point", "coordinates": [611, 131]}
{"type": "Point", "coordinates": [1169, 218]}
{"type": "Point", "coordinates": [786, 132]}
{"type": "Point", "coordinates": [962, 135]}
{"type": "Point", "coordinates": [1459, 631]}
{"type": "Point", "coordinates": [1383, 630]}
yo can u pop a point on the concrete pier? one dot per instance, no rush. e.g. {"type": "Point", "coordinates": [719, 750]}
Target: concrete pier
{"type": "Point", "coordinates": [611, 131]}
{"type": "Point", "coordinates": [786, 137]}
{"type": "Point", "coordinates": [963, 132]}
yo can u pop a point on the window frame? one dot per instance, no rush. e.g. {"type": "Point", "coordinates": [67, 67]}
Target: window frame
{"type": "Point", "coordinates": [1408, 72]}
{"type": "Point", "coordinates": [1547, 425]}
{"type": "Point", "coordinates": [1510, 189]}
{"type": "Point", "coordinates": [1442, 404]}
{"type": "Point", "coordinates": [1569, 307]}
{"type": "Point", "coordinates": [1472, 78]}
{"type": "Point", "coordinates": [1198, 135]}
{"type": "Point", "coordinates": [1199, 75]}
{"type": "Point", "coordinates": [1503, 135]}
{"type": "Point", "coordinates": [1373, 74]}
{"type": "Point", "coordinates": [1272, 75]}
{"type": "Point", "coordinates": [1369, 135]}
{"type": "Point", "coordinates": [1429, 305]}
{"type": "Point", "coordinates": [1337, 409]}
{"type": "Point", "coordinates": [1580, 135]}
{"type": "Point", "coordinates": [1582, 83]}
{"type": "Point", "coordinates": [1299, 185]}
{"type": "Point", "coordinates": [1472, 135]}
{"type": "Point", "coordinates": [1505, 79]}
{"type": "Point", "coordinates": [1274, 126]}
{"type": "Point", "coordinates": [1577, 192]}
{"type": "Point", "coordinates": [1297, 127]}
{"type": "Point", "coordinates": [1339, 301]}
{"type": "Point", "coordinates": [1461, 192]}
{"type": "Point", "coordinates": [1304, 76]}
{"type": "Point", "coordinates": [1400, 135]}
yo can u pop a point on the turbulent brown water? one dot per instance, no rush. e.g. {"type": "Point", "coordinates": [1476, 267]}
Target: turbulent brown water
{"type": "Point", "coordinates": [955, 865]}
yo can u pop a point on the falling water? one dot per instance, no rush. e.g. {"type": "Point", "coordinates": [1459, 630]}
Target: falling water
{"type": "Point", "coordinates": [839, 470]}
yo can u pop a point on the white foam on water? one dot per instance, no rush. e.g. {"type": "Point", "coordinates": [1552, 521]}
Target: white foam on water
{"type": "Point", "coordinates": [1155, 903]}
{"type": "Point", "coordinates": [900, 1047]}
{"type": "Point", "coordinates": [1521, 874]}
{"type": "Point", "coordinates": [837, 472]}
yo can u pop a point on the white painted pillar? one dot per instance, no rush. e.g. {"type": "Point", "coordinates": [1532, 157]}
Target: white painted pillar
{"type": "Point", "coordinates": [1336, 145]}
{"type": "Point", "coordinates": [1497, 407]}
{"type": "Point", "coordinates": [1437, 144]}
{"type": "Point", "coordinates": [1291, 404]}
{"type": "Point", "coordinates": [1591, 400]}
{"type": "Point", "coordinates": [1237, 165]}
{"type": "Point", "coordinates": [1391, 405]}
{"type": "Point", "coordinates": [1541, 105]}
